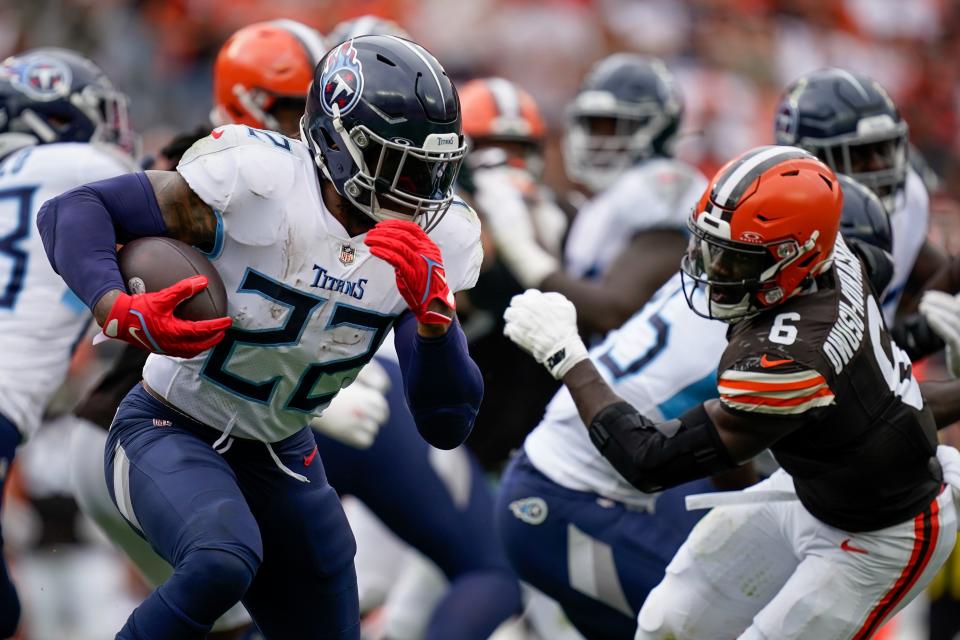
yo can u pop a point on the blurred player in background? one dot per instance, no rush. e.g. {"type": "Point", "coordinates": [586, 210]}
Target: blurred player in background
{"type": "Point", "coordinates": [502, 175]}
{"type": "Point", "coordinates": [848, 121]}
{"type": "Point", "coordinates": [623, 243]}
{"type": "Point", "coordinates": [572, 525]}
{"type": "Point", "coordinates": [269, 529]}
{"type": "Point", "coordinates": [63, 124]}
{"type": "Point", "coordinates": [365, 25]}
{"type": "Point", "coordinates": [858, 521]}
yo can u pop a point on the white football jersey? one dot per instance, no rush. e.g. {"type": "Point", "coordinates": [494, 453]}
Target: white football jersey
{"type": "Point", "coordinates": [910, 222]}
{"type": "Point", "coordinates": [310, 305]}
{"type": "Point", "coordinates": [656, 194]}
{"type": "Point", "coordinates": [663, 361]}
{"type": "Point", "coordinates": [41, 320]}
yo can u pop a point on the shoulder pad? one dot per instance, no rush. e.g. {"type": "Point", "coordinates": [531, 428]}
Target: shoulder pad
{"type": "Point", "coordinates": [64, 166]}
{"type": "Point", "coordinates": [771, 366]}
{"type": "Point", "coordinates": [245, 174]}
{"type": "Point", "coordinates": [657, 194]}
{"type": "Point", "coordinates": [458, 236]}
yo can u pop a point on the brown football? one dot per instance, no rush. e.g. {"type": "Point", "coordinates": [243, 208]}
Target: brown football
{"type": "Point", "coordinates": [152, 264]}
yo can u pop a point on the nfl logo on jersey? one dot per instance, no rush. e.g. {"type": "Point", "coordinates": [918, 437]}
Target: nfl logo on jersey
{"type": "Point", "coordinates": [347, 253]}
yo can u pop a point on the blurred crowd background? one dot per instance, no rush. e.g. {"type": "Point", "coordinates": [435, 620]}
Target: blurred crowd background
{"type": "Point", "coordinates": [731, 57]}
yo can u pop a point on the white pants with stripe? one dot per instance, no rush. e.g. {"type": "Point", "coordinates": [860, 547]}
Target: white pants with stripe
{"type": "Point", "coordinates": [771, 571]}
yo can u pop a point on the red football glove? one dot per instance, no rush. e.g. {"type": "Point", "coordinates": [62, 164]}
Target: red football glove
{"type": "Point", "coordinates": [146, 320]}
{"type": "Point", "coordinates": [419, 267]}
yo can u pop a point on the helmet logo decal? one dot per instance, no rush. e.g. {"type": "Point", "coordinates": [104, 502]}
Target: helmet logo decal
{"type": "Point", "coordinates": [39, 77]}
{"type": "Point", "coordinates": [752, 237]}
{"type": "Point", "coordinates": [342, 79]}
{"type": "Point", "coordinates": [347, 254]}
{"type": "Point", "coordinates": [786, 122]}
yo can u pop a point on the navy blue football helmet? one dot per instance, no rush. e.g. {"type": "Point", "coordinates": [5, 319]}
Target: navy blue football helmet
{"type": "Point", "coordinates": [628, 109]}
{"type": "Point", "coordinates": [55, 95]}
{"type": "Point", "coordinates": [848, 121]}
{"type": "Point", "coordinates": [865, 226]}
{"type": "Point", "coordinates": [864, 217]}
{"type": "Point", "coordinates": [383, 122]}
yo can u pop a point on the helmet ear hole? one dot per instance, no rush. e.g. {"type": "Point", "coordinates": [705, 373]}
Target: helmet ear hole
{"type": "Point", "coordinates": [328, 139]}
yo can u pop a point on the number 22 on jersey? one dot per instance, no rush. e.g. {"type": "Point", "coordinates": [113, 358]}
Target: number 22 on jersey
{"type": "Point", "coordinates": [302, 307]}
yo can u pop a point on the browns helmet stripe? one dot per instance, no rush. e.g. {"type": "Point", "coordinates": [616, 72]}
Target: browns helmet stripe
{"type": "Point", "coordinates": [505, 96]}
{"type": "Point", "coordinates": [311, 39]}
{"type": "Point", "coordinates": [730, 187]}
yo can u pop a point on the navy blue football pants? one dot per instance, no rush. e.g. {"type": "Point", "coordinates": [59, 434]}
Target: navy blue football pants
{"type": "Point", "coordinates": [449, 520]}
{"type": "Point", "coordinates": [597, 558]}
{"type": "Point", "coordinates": [235, 525]}
{"type": "Point", "coordinates": [9, 602]}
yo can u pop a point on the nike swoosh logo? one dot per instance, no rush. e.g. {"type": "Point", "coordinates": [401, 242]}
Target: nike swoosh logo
{"type": "Point", "coordinates": [767, 363]}
{"type": "Point", "coordinates": [846, 546]}
{"type": "Point", "coordinates": [133, 332]}
{"type": "Point", "coordinates": [309, 459]}
{"type": "Point", "coordinates": [216, 134]}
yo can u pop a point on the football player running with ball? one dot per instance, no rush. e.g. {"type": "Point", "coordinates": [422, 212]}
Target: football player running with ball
{"type": "Point", "coordinates": [323, 247]}
{"type": "Point", "coordinates": [857, 521]}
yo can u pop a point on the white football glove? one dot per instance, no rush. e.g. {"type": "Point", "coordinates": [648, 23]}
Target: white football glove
{"type": "Point", "coordinates": [500, 199]}
{"type": "Point", "coordinates": [356, 413]}
{"type": "Point", "coordinates": [545, 326]}
{"type": "Point", "coordinates": [942, 311]}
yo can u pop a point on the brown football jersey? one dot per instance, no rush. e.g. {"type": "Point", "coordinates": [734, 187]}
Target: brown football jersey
{"type": "Point", "coordinates": [864, 457]}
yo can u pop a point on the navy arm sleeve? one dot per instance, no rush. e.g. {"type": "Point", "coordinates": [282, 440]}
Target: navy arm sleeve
{"type": "Point", "coordinates": [81, 228]}
{"type": "Point", "coordinates": [442, 383]}
{"type": "Point", "coordinates": [653, 457]}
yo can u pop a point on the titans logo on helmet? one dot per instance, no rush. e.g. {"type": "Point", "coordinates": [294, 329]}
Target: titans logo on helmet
{"type": "Point", "coordinates": [39, 77]}
{"type": "Point", "coordinates": [342, 79]}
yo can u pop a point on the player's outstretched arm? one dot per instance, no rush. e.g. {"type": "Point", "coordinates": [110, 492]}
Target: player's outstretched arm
{"type": "Point", "coordinates": [704, 441]}
{"type": "Point", "coordinates": [80, 230]}
{"type": "Point", "coordinates": [442, 383]}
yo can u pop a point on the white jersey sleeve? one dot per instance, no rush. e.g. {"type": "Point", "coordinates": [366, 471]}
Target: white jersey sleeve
{"type": "Point", "coordinates": [656, 194]}
{"type": "Point", "coordinates": [910, 223]}
{"type": "Point", "coordinates": [41, 320]}
{"type": "Point", "coordinates": [458, 236]}
{"type": "Point", "coordinates": [243, 180]}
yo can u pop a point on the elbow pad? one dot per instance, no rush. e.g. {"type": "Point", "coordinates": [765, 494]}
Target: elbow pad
{"type": "Point", "coordinates": [653, 457]}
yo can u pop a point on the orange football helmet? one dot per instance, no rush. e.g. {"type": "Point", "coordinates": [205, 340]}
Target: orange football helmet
{"type": "Point", "coordinates": [497, 112]}
{"type": "Point", "coordinates": [765, 226]}
{"type": "Point", "coordinates": [495, 109]}
{"type": "Point", "coordinates": [261, 66]}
